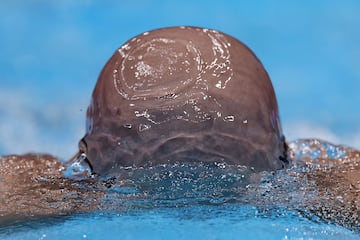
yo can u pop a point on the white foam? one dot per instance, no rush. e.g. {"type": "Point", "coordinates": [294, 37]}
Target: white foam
{"type": "Point", "coordinates": [306, 129]}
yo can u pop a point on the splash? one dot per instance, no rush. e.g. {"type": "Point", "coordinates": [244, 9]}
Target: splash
{"type": "Point", "coordinates": [322, 185]}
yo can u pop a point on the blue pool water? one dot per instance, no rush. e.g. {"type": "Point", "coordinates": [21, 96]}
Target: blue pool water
{"type": "Point", "coordinates": [52, 53]}
{"type": "Point", "coordinates": [225, 222]}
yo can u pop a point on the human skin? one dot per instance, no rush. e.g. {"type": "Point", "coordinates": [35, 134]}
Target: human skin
{"type": "Point", "coordinates": [183, 94]}
{"type": "Point", "coordinates": [34, 185]}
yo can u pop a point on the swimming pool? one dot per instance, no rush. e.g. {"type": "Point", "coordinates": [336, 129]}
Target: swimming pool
{"type": "Point", "coordinates": [196, 200]}
{"type": "Point", "coordinates": [227, 222]}
{"type": "Point", "coordinates": [41, 70]}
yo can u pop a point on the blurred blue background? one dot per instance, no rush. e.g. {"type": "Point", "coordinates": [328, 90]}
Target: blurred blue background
{"type": "Point", "coordinates": [51, 53]}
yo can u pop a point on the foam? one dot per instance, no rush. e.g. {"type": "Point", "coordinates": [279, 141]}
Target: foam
{"type": "Point", "coordinates": [308, 129]}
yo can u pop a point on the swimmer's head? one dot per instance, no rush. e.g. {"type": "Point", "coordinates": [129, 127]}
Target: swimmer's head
{"type": "Point", "coordinates": [183, 94]}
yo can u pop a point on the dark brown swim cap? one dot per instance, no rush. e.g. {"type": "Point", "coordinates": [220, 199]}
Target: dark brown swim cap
{"type": "Point", "coordinates": [183, 94]}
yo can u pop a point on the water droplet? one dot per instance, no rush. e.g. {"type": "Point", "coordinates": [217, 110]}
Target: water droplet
{"type": "Point", "coordinates": [121, 52]}
{"type": "Point", "coordinates": [143, 127]}
{"type": "Point", "coordinates": [78, 167]}
{"type": "Point", "coordinates": [196, 108]}
{"type": "Point", "coordinates": [127, 125]}
{"type": "Point", "coordinates": [221, 165]}
{"type": "Point", "coordinates": [218, 84]}
{"type": "Point", "coordinates": [245, 121]}
{"type": "Point", "coordinates": [81, 158]}
{"type": "Point", "coordinates": [229, 118]}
